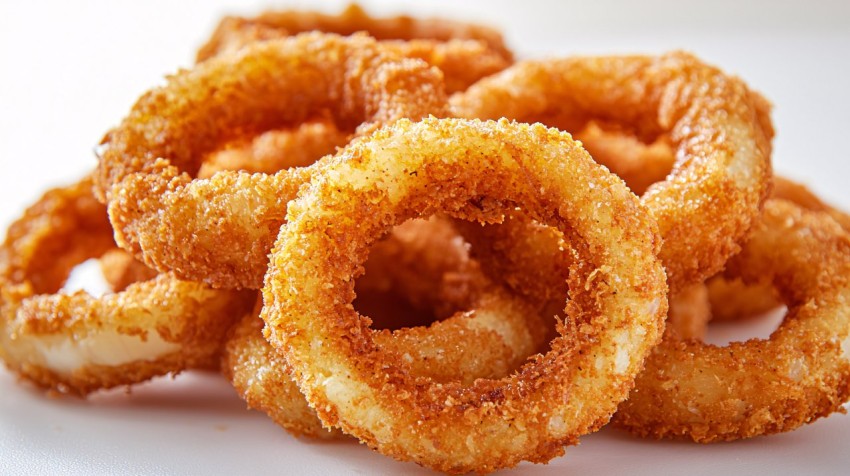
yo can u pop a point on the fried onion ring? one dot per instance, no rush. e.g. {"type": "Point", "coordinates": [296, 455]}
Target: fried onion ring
{"type": "Point", "coordinates": [486, 333]}
{"type": "Point", "coordinates": [76, 343]}
{"type": "Point", "coordinates": [802, 372]}
{"type": "Point", "coordinates": [732, 299]}
{"type": "Point", "coordinates": [220, 230]}
{"type": "Point", "coordinates": [472, 170]}
{"type": "Point", "coordinates": [722, 139]}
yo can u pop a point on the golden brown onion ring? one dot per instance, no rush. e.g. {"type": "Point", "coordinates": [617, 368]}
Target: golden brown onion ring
{"type": "Point", "coordinates": [472, 170]}
{"type": "Point", "coordinates": [487, 332]}
{"type": "Point", "coordinates": [220, 230]}
{"type": "Point", "coordinates": [732, 299]}
{"type": "Point", "coordinates": [716, 125]}
{"type": "Point", "coordinates": [76, 343]}
{"type": "Point", "coordinates": [802, 372]}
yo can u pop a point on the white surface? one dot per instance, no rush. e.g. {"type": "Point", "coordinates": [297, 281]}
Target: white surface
{"type": "Point", "coordinates": [70, 71]}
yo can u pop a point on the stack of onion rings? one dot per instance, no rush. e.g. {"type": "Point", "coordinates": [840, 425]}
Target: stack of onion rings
{"type": "Point", "coordinates": [458, 355]}
{"type": "Point", "coordinates": [164, 216]}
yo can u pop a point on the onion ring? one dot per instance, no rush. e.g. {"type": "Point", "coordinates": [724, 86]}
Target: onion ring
{"type": "Point", "coordinates": [722, 173]}
{"type": "Point", "coordinates": [486, 332]}
{"type": "Point", "coordinates": [473, 170]}
{"type": "Point", "coordinates": [732, 299]}
{"type": "Point", "coordinates": [762, 386]}
{"type": "Point", "coordinates": [220, 230]}
{"type": "Point", "coordinates": [76, 343]}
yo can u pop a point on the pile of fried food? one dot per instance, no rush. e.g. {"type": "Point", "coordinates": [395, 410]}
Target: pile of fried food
{"type": "Point", "coordinates": [383, 228]}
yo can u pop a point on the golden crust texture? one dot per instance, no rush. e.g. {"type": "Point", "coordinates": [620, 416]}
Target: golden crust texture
{"type": "Point", "coordinates": [220, 230]}
{"type": "Point", "coordinates": [734, 300]}
{"type": "Point", "coordinates": [802, 372]}
{"type": "Point", "coordinates": [472, 170]}
{"type": "Point", "coordinates": [717, 127]}
{"type": "Point", "coordinates": [76, 343]}
{"type": "Point", "coordinates": [485, 333]}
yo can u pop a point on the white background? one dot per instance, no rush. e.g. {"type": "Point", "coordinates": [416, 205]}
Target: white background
{"type": "Point", "coordinates": [69, 71]}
